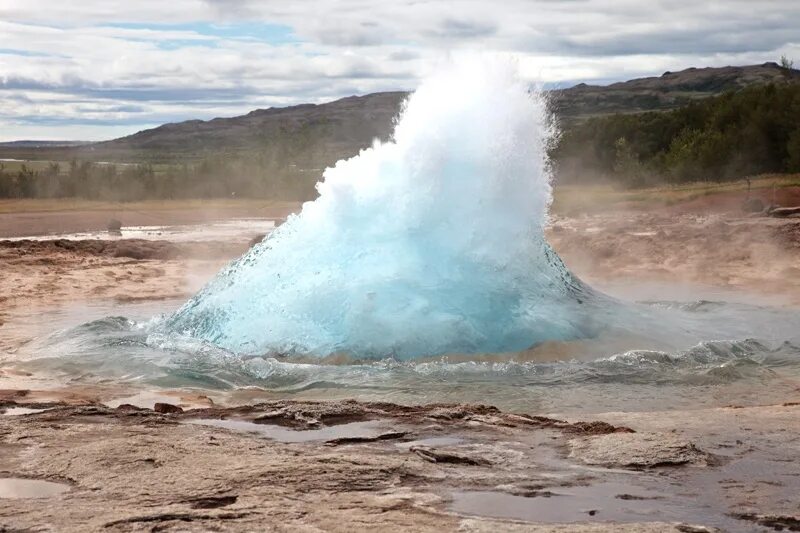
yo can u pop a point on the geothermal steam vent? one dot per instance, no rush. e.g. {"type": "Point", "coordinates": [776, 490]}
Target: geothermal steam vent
{"type": "Point", "coordinates": [428, 244]}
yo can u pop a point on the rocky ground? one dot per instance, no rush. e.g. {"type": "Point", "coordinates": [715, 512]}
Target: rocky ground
{"type": "Point", "coordinates": [736, 252]}
{"type": "Point", "coordinates": [348, 466]}
{"type": "Point", "coordinates": [21, 218]}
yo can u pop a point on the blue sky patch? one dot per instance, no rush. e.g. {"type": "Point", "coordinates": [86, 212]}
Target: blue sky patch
{"type": "Point", "coordinates": [273, 34]}
{"type": "Point", "coordinates": [25, 53]}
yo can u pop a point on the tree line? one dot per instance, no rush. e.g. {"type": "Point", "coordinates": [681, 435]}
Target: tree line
{"type": "Point", "coordinates": [752, 131]}
{"type": "Point", "coordinates": [220, 176]}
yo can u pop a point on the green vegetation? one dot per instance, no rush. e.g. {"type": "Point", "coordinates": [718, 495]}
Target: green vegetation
{"type": "Point", "coordinates": [752, 131]}
{"type": "Point", "coordinates": [219, 176]}
{"type": "Point", "coordinates": [238, 205]}
{"type": "Point", "coordinates": [707, 125]}
{"type": "Point", "coordinates": [567, 199]}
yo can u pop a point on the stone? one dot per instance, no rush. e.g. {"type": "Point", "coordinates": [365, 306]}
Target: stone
{"type": "Point", "coordinates": [257, 239]}
{"type": "Point", "coordinates": [753, 205]}
{"type": "Point", "coordinates": [114, 226]}
{"type": "Point", "coordinates": [636, 450]}
{"type": "Point", "coordinates": [166, 408]}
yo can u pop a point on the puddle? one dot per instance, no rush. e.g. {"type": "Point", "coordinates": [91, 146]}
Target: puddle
{"type": "Point", "coordinates": [235, 230]}
{"type": "Point", "coordinates": [431, 441]}
{"type": "Point", "coordinates": [281, 434]}
{"type": "Point", "coordinates": [12, 487]}
{"type": "Point", "coordinates": [147, 399]}
{"type": "Point", "coordinates": [602, 502]}
{"type": "Point", "coordinates": [19, 411]}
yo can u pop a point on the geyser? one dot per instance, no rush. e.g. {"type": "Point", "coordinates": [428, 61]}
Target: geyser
{"type": "Point", "coordinates": [427, 244]}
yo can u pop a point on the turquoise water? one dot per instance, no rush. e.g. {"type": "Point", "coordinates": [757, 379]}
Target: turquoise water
{"type": "Point", "coordinates": [430, 243]}
{"type": "Point", "coordinates": [717, 353]}
{"type": "Point", "coordinates": [421, 274]}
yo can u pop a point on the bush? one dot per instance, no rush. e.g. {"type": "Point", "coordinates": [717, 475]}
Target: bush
{"type": "Point", "coordinates": [753, 131]}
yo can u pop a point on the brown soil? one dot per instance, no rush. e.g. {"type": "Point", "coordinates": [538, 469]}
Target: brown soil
{"type": "Point", "coordinates": [732, 201]}
{"type": "Point", "coordinates": [51, 273]}
{"type": "Point", "coordinates": [18, 251]}
{"type": "Point", "coordinates": [22, 224]}
{"type": "Point", "coordinates": [753, 254]}
{"type": "Point", "coordinates": [134, 469]}
{"type": "Point", "coordinates": [42, 276]}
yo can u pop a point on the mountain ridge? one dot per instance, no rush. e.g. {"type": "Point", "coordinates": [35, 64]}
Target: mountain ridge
{"type": "Point", "coordinates": [668, 91]}
{"type": "Point", "coordinates": [313, 136]}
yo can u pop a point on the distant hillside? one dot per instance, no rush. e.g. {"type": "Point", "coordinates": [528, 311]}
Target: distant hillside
{"type": "Point", "coordinates": [40, 144]}
{"type": "Point", "coordinates": [752, 131]}
{"type": "Point", "coordinates": [37, 149]}
{"type": "Point", "coordinates": [311, 135]}
{"type": "Point", "coordinates": [697, 124]}
{"type": "Point", "coordinates": [316, 135]}
{"type": "Point", "coordinates": [668, 91]}
{"type": "Point", "coordinates": [304, 135]}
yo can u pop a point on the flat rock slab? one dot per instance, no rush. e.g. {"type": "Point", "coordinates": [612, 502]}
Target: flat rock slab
{"type": "Point", "coordinates": [132, 469]}
{"type": "Point", "coordinates": [636, 450]}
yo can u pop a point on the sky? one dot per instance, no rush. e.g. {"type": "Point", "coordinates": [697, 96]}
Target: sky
{"type": "Point", "coordinates": [100, 69]}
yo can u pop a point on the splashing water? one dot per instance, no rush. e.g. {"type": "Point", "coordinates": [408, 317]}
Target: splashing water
{"type": "Point", "coordinates": [427, 244]}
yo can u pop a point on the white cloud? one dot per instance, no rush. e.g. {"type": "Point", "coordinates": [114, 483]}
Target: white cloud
{"type": "Point", "coordinates": [109, 66]}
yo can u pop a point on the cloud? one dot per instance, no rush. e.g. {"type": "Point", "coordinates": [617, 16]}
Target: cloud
{"type": "Point", "coordinates": [454, 28]}
{"type": "Point", "coordinates": [98, 63]}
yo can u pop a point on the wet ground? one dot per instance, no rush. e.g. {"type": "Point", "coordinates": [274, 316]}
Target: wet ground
{"type": "Point", "coordinates": [715, 423]}
{"type": "Point", "coordinates": [21, 488]}
{"type": "Point", "coordinates": [344, 466]}
{"type": "Point", "coordinates": [241, 230]}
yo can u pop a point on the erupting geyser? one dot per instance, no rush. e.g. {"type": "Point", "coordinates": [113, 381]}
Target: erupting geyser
{"type": "Point", "coordinates": [430, 243]}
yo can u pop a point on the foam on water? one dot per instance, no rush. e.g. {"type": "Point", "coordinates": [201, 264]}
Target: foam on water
{"type": "Point", "coordinates": [427, 244]}
{"type": "Point", "coordinates": [672, 361]}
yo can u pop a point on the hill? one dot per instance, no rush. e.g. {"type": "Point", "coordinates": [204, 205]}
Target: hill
{"type": "Point", "coordinates": [40, 144]}
{"type": "Point", "coordinates": [676, 127]}
{"type": "Point", "coordinates": [305, 135]}
{"type": "Point", "coordinates": [668, 91]}
{"type": "Point", "coordinates": [313, 136]}
{"type": "Point", "coordinates": [734, 135]}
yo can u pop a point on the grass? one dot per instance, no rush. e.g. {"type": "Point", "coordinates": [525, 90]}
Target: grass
{"type": "Point", "coordinates": [568, 199]}
{"type": "Point", "coordinates": [12, 167]}
{"type": "Point", "coordinates": [571, 199]}
{"type": "Point", "coordinates": [37, 166]}
{"type": "Point", "coordinates": [33, 205]}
